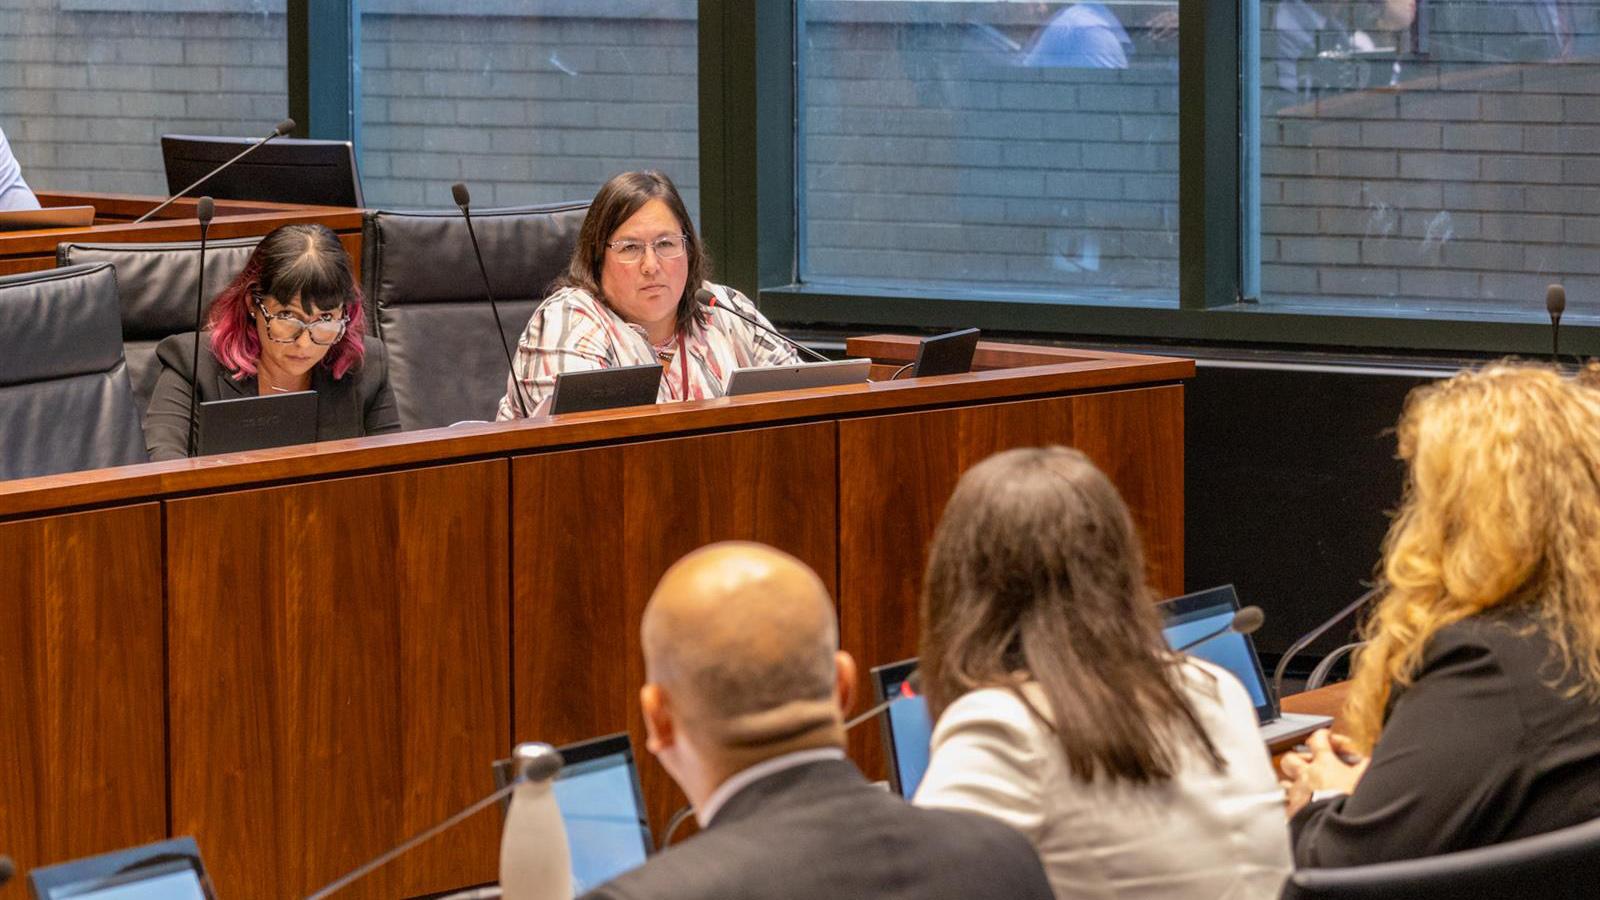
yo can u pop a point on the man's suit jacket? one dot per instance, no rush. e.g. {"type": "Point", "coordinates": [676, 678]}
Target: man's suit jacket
{"type": "Point", "coordinates": [358, 404]}
{"type": "Point", "coordinates": [820, 830]}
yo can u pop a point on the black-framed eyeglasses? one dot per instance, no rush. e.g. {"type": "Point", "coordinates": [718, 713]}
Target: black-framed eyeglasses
{"type": "Point", "coordinates": [670, 246]}
{"type": "Point", "coordinates": [285, 328]}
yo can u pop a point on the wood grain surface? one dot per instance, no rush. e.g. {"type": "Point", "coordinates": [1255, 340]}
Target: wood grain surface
{"type": "Point", "coordinates": [31, 495]}
{"type": "Point", "coordinates": [338, 677]}
{"type": "Point", "coordinates": [594, 531]}
{"type": "Point", "coordinates": [83, 753]}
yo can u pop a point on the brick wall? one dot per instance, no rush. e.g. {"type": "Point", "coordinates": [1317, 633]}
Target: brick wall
{"type": "Point", "coordinates": [930, 152]}
{"type": "Point", "coordinates": [86, 95]}
{"type": "Point", "coordinates": [527, 109]}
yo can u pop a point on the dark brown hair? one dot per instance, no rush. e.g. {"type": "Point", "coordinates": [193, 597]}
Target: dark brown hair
{"type": "Point", "coordinates": [1036, 574]}
{"type": "Point", "coordinates": [616, 202]}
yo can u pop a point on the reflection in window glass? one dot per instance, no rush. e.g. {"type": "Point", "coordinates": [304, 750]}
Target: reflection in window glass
{"type": "Point", "coordinates": [527, 102]}
{"type": "Point", "coordinates": [1430, 154]}
{"type": "Point", "coordinates": [1024, 148]}
{"type": "Point", "coordinates": [87, 87]}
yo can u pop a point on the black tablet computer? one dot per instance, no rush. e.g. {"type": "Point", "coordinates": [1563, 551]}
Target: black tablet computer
{"type": "Point", "coordinates": [255, 423]}
{"type": "Point", "coordinates": [609, 388]}
{"type": "Point", "coordinates": [946, 354]}
{"type": "Point", "coordinates": [169, 870]}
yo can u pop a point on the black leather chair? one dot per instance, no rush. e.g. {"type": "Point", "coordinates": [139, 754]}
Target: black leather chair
{"type": "Point", "coordinates": [65, 404]}
{"type": "Point", "coordinates": [1556, 866]}
{"type": "Point", "coordinates": [156, 283]}
{"type": "Point", "coordinates": [419, 275]}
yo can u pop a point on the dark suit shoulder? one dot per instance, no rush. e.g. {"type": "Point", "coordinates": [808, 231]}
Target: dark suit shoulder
{"type": "Point", "coordinates": [828, 840]}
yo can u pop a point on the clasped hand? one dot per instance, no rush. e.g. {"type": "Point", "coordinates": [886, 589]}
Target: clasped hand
{"type": "Point", "coordinates": [1329, 762]}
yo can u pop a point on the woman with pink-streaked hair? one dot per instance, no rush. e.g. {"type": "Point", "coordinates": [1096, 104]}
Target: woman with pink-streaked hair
{"type": "Point", "coordinates": [292, 320]}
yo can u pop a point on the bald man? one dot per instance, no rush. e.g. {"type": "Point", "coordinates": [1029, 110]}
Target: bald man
{"type": "Point", "coordinates": [745, 707]}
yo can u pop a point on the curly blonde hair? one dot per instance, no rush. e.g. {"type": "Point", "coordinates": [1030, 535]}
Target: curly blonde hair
{"type": "Point", "coordinates": [1501, 507]}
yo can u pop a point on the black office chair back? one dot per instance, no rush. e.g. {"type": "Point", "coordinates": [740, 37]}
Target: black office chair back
{"type": "Point", "coordinates": [156, 285]}
{"type": "Point", "coordinates": [1561, 865]}
{"type": "Point", "coordinates": [65, 404]}
{"type": "Point", "coordinates": [420, 278]}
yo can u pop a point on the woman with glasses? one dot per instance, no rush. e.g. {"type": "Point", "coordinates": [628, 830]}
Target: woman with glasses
{"type": "Point", "coordinates": [628, 299]}
{"type": "Point", "coordinates": [292, 320]}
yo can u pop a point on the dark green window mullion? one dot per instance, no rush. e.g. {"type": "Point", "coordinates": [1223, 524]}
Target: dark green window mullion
{"type": "Point", "coordinates": [1209, 245]}
{"type": "Point", "coordinates": [324, 77]}
{"type": "Point", "coordinates": [747, 140]}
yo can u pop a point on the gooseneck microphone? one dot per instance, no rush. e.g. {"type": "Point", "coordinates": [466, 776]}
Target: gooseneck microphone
{"type": "Point", "coordinates": [1245, 621]}
{"type": "Point", "coordinates": [1306, 639]}
{"type": "Point", "coordinates": [911, 687]}
{"type": "Point", "coordinates": [709, 300]}
{"type": "Point", "coordinates": [536, 764]}
{"type": "Point", "coordinates": [283, 128]}
{"type": "Point", "coordinates": [1555, 303]}
{"type": "Point", "coordinates": [202, 211]}
{"type": "Point", "coordinates": [464, 202]}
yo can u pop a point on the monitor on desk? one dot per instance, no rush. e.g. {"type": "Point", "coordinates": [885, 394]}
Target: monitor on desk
{"type": "Point", "coordinates": [285, 170]}
{"type": "Point", "coordinates": [166, 870]}
{"type": "Point", "coordinates": [602, 808]}
{"type": "Point", "coordinates": [907, 727]}
{"type": "Point", "coordinates": [256, 423]}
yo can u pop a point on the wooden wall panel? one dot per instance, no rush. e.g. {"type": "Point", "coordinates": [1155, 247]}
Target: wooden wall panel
{"type": "Point", "coordinates": [898, 471]}
{"type": "Point", "coordinates": [82, 742]}
{"type": "Point", "coordinates": [594, 531]}
{"type": "Point", "coordinates": [339, 677]}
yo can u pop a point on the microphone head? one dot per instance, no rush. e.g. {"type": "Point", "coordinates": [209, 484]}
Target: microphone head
{"type": "Point", "coordinates": [704, 297]}
{"type": "Point", "coordinates": [205, 209]}
{"type": "Point", "coordinates": [462, 195]}
{"type": "Point", "coordinates": [912, 686]}
{"type": "Point", "coordinates": [1555, 300]}
{"type": "Point", "coordinates": [1248, 620]}
{"type": "Point", "coordinates": [284, 127]}
{"type": "Point", "coordinates": [536, 761]}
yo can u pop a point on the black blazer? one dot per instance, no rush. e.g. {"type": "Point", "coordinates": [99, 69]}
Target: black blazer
{"type": "Point", "coordinates": [820, 830]}
{"type": "Point", "coordinates": [358, 404]}
{"type": "Point", "coordinates": [1480, 749]}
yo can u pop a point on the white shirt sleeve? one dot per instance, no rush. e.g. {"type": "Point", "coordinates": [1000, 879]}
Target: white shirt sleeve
{"type": "Point", "coordinates": [985, 758]}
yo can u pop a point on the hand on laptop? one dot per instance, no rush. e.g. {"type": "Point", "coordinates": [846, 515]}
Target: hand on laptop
{"type": "Point", "coordinates": [1329, 763]}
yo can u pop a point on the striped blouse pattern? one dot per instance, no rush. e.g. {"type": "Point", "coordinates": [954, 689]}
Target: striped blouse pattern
{"type": "Point", "coordinates": [572, 331]}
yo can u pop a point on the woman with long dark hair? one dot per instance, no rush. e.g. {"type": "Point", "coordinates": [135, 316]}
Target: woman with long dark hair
{"type": "Point", "coordinates": [1135, 771]}
{"type": "Point", "coordinates": [292, 320]}
{"type": "Point", "coordinates": [628, 299]}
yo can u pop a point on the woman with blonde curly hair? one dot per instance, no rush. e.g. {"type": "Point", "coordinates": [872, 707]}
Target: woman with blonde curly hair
{"type": "Point", "coordinates": [1478, 693]}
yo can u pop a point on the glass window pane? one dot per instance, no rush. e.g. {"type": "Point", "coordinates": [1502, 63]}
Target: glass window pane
{"type": "Point", "coordinates": [1020, 148]}
{"type": "Point", "coordinates": [527, 102]}
{"type": "Point", "coordinates": [1430, 155]}
{"type": "Point", "coordinates": [87, 87]}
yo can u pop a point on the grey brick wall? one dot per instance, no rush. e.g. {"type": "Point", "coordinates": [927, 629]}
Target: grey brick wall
{"type": "Point", "coordinates": [86, 95]}
{"type": "Point", "coordinates": [527, 109]}
{"type": "Point", "coordinates": [1463, 176]}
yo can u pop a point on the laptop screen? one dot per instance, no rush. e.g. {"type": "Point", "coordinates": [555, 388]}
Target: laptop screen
{"type": "Point", "coordinates": [602, 808]}
{"type": "Point", "coordinates": [907, 728]}
{"type": "Point", "coordinates": [1196, 615]}
{"type": "Point", "coordinates": [166, 870]}
{"type": "Point", "coordinates": [175, 881]}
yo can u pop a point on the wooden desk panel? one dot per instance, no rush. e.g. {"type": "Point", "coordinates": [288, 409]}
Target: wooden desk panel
{"type": "Point", "coordinates": [338, 677]}
{"type": "Point", "coordinates": [897, 472]}
{"type": "Point", "coordinates": [596, 529]}
{"type": "Point", "coordinates": [82, 742]}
